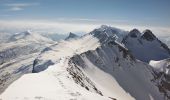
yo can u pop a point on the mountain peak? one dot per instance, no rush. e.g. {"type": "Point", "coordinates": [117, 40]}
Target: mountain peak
{"type": "Point", "coordinates": [28, 36]}
{"type": "Point", "coordinates": [21, 35]}
{"type": "Point", "coordinates": [71, 36]}
{"type": "Point", "coordinates": [135, 33]}
{"type": "Point", "coordinates": [104, 26]}
{"type": "Point", "coordinates": [148, 35]}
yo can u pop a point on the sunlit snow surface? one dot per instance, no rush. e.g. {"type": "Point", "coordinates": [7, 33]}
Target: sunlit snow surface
{"type": "Point", "coordinates": [52, 84]}
{"type": "Point", "coordinates": [55, 83]}
{"type": "Point", "coordinates": [161, 66]}
{"type": "Point", "coordinates": [71, 47]}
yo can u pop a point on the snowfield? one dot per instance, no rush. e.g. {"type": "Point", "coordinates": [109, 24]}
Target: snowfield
{"type": "Point", "coordinates": [53, 84]}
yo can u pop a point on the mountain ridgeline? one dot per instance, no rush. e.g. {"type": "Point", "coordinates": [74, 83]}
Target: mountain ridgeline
{"type": "Point", "coordinates": [106, 64]}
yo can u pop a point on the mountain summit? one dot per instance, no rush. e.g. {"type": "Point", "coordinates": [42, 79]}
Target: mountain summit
{"type": "Point", "coordinates": [145, 46]}
{"type": "Point", "coordinates": [71, 36]}
{"type": "Point", "coordinates": [148, 35]}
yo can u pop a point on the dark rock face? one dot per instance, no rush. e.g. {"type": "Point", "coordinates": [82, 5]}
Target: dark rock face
{"type": "Point", "coordinates": [134, 33]}
{"type": "Point", "coordinates": [80, 78]}
{"type": "Point", "coordinates": [105, 32]}
{"type": "Point", "coordinates": [163, 45]}
{"type": "Point", "coordinates": [100, 35]}
{"type": "Point", "coordinates": [39, 66]}
{"type": "Point", "coordinates": [163, 83]}
{"type": "Point", "coordinates": [148, 35]}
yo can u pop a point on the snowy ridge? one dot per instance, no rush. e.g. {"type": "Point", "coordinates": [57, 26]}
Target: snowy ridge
{"type": "Point", "coordinates": [53, 84]}
{"type": "Point", "coordinates": [117, 74]}
{"type": "Point", "coordinates": [97, 65]}
{"type": "Point", "coordinates": [64, 49]}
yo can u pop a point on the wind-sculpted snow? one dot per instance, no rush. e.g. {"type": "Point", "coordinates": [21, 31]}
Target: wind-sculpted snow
{"type": "Point", "coordinates": [64, 49]}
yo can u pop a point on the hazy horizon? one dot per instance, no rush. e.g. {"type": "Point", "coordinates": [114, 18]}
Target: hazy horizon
{"type": "Point", "coordinates": [81, 16]}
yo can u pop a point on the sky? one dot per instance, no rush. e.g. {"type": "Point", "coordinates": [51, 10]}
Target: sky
{"type": "Point", "coordinates": [84, 15]}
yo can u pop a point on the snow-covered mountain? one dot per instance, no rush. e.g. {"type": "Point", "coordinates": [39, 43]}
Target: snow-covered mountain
{"type": "Point", "coordinates": [117, 74]}
{"type": "Point", "coordinates": [29, 36]}
{"type": "Point", "coordinates": [146, 46]}
{"type": "Point", "coordinates": [105, 32]}
{"type": "Point", "coordinates": [97, 66]}
{"type": "Point", "coordinates": [17, 55]}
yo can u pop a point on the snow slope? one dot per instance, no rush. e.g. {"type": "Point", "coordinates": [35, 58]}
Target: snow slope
{"type": "Point", "coordinates": [117, 74]}
{"type": "Point", "coordinates": [63, 49]}
{"type": "Point", "coordinates": [53, 84]}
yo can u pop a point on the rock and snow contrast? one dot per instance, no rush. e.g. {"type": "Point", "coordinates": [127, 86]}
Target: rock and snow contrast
{"type": "Point", "coordinates": [146, 46]}
{"type": "Point", "coordinates": [162, 78]}
{"type": "Point", "coordinates": [105, 64]}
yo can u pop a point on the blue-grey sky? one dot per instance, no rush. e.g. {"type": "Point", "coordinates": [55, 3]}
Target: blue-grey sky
{"type": "Point", "coordinates": [127, 12]}
{"type": "Point", "coordinates": [154, 12]}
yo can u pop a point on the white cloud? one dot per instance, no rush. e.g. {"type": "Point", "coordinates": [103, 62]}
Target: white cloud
{"type": "Point", "coordinates": [15, 8]}
{"type": "Point", "coordinates": [65, 27]}
{"type": "Point", "coordinates": [19, 6]}
{"type": "Point", "coordinates": [45, 26]}
{"type": "Point", "coordinates": [88, 20]}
